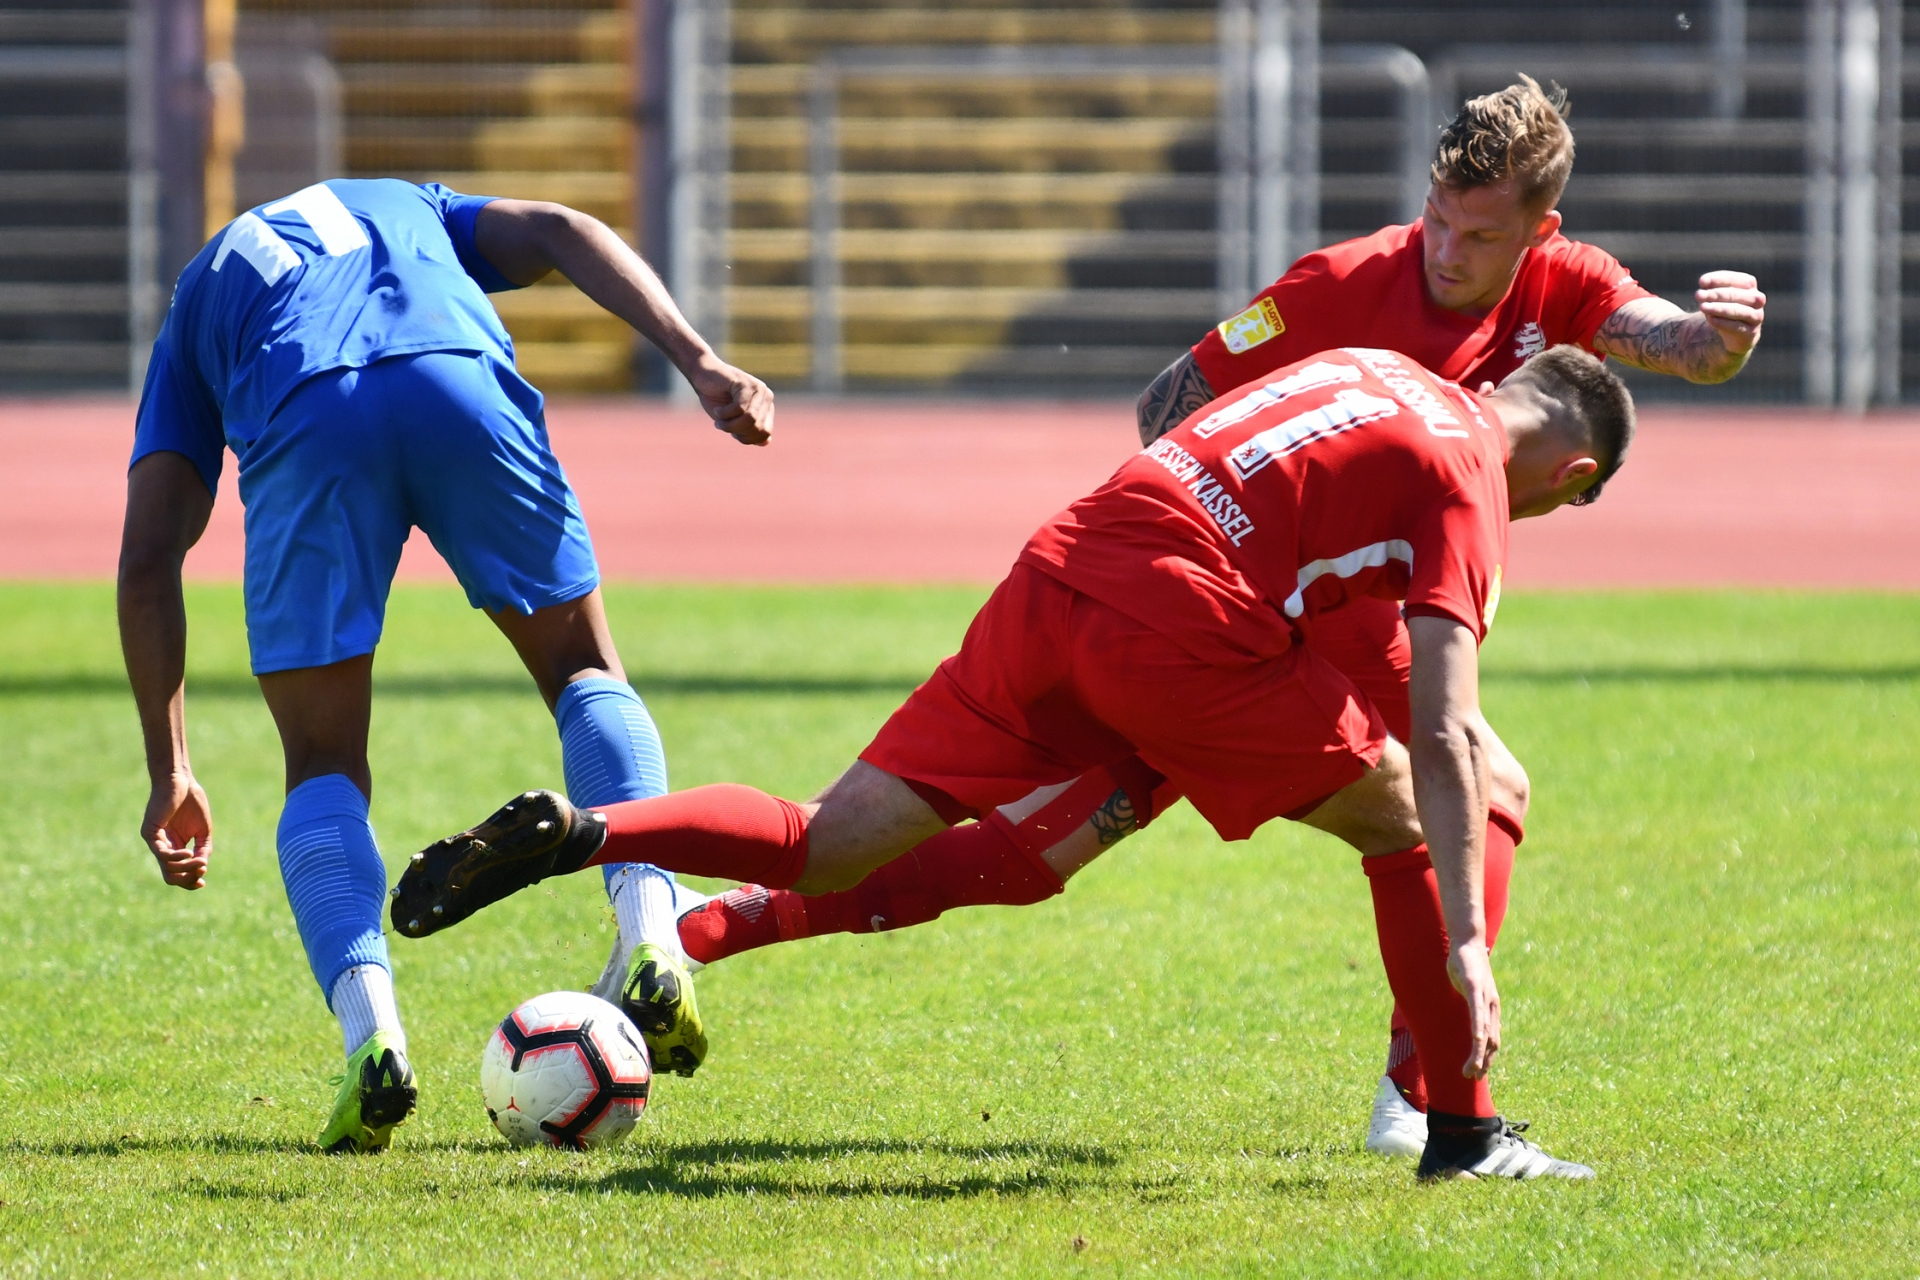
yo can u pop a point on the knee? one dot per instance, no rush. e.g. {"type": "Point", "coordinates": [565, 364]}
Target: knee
{"type": "Point", "coordinates": [1510, 789]}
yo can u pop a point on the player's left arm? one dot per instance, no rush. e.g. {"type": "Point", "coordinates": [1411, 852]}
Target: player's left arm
{"type": "Point", "coordinates": [1708, 345]}
{"type": "Point", "coordinates": [526, 239]}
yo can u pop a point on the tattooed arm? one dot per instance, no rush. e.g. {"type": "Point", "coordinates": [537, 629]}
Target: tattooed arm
{"type": "Point", "coordinates": [1178, 391]}
{"type": "Point", "coordinates": [1708, 345]}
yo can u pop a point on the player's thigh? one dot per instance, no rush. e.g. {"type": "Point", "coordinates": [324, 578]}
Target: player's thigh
{"type": "Point", "coordinates": [483, 483]}
{"type": "Point", "coordinates": [1366, 640]}
{"type": "Point", "coordinates": [326, 517]}
{"type": "Point", "coordinates": [998, 718]}
{"type": "Point", "coordinates": [1245, 744]}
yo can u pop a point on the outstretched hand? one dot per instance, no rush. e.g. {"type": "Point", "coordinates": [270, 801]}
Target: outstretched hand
{"type": "Point", "coordinates": [178, 828]}
{"type": "Point", "coordinates": [1732, 303]}
{"type": "Point", "coordinates": [1471, 970]}
{"type": "Point", "coordinates": [739, 403]}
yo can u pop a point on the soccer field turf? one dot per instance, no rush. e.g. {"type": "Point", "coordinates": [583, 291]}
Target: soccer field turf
{"type": "Point", "coordinates": [1709, 975]}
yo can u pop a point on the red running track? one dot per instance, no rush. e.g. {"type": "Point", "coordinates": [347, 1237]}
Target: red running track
{"type": "Point", "coordinates": [947, 492]}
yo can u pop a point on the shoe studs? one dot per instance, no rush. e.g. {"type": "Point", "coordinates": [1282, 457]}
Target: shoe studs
{"type": "Point", "coordinates": [439, 910]}
{"type": "Point", "coordinates": [543, 826]}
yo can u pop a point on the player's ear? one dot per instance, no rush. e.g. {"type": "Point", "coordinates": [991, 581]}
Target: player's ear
{"type": "Point", "coordinates": [1544, 229]}
{"type": "Point", "coordinates": [1574, 473]}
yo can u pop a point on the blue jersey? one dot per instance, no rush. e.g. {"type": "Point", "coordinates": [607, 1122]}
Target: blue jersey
{"type": "Point", "coordinates": [338, 275]}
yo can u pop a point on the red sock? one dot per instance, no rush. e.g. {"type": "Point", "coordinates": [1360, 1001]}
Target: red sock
{"type": "Point", "coordinates": [977, 864]}
{"type": "Point", "coordinates": [1413, 945]}
{"type": "Point", "coordinates": [725, 830]}
{"type": "Point", "coordinates": [1403, 1063]}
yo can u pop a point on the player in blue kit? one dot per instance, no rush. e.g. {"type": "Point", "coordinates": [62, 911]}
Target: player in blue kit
{"type": "Point", "coordinates": [340, 343]}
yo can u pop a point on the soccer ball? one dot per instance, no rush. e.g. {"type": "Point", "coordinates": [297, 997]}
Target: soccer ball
{"type": "Point", "coordinates": [567, 1069]}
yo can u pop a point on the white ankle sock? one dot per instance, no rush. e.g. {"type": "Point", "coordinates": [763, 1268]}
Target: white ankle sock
{"type": "Point", "coordinates": [363, 1001]}
{"type": "Point", "coordinates": [643, 903]}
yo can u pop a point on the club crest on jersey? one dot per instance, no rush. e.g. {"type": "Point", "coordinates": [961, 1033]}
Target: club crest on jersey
{"type": "Point", "coordinates": [1252, 327]}
{"type": "Point", "coordinates": [1530, 341]}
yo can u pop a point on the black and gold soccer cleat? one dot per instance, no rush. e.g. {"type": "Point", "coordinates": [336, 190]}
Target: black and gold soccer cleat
{"type": "Point", "coordinates": [533, 836]}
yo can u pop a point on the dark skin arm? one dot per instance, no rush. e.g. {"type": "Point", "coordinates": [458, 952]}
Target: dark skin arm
{"type": "Point", "coordinates": [527, 239]}
{"type": "Point", "coordinates": [1170, 398]}
{"type": "Point", "coordinates": [167, 510]}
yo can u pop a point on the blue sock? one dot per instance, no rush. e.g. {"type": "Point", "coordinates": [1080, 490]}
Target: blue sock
{"type": "Point", "coordinates": [335, 880]}
{"type": "Point", "coordinates": [608, 748]}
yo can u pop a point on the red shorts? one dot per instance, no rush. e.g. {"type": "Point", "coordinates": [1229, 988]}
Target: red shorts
{"type": "Point", "coordinates": [1050, 683]}
{"type": "Point", "coordinates": [1367, 640]}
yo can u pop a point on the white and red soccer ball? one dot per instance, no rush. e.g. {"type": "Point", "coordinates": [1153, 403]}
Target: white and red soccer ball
{"type": "Point", "coordinates": [567, 1069]}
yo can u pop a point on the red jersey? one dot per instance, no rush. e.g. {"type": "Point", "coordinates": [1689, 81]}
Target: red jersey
{"type": "Point", "coordinates": [1355, 473]}
{"type": "Point", "coordinates": [1372, 292]}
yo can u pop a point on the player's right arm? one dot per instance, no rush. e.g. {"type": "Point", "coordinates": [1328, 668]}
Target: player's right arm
{"type": "Point", "coordinates": [526, 239]}
{"type": "Point", "coordinates": [1451, 750]}
{"type": "Point", "coordinates": [168, 503]}
{"type": "Point", "coordinates": [1171, 398]}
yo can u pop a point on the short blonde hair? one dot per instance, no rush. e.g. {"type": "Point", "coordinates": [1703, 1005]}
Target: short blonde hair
{"type": "Point", "coordinates": [1519, 133]}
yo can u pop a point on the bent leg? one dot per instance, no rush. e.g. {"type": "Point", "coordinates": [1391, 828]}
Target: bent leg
{"type": "Point", "coordinates": [1375, 815]}
{"type": "Point", "coordinates": [335, 880]}
{"type": "Point", "coordinates": [1014, 856]}
{"type": "Point", "coordinates": [865, 818]}
{"type": "Point", "coordinates": [609, 747]}
{"type": "Point", "coordinates": [1506, 814]}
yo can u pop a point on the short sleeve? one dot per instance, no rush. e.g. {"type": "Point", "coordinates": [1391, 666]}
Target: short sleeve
{"type": "Point", "coordinates": [1257, 341]}
{"type": "Point", "coordinates": [459, 212]}
{"type": "Point", "coordinates": [1596, 285]}
{"type": "Point", "coordinates": [1458, 556]}
{"type": "Point", "coordinates": [177, 415]}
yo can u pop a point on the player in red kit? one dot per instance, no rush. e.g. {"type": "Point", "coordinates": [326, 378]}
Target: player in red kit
{"type": "Point", "coordinates": [1169, 617]}
{"type": "Point", "coordinates": [1483, 281]}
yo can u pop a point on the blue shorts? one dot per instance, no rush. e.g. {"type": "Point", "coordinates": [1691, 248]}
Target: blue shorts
{"type": "Point", "coordinates": [453, 442]}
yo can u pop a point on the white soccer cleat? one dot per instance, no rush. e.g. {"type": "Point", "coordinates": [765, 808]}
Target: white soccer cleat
{"type": "Point", "coordinates": [1396, 1129]}
{"type": "Point", "coordinates": [615, 975]}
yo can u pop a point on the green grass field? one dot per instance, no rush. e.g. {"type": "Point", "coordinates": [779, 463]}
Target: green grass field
{"type": "Point", "coordinates": [1709, 974]}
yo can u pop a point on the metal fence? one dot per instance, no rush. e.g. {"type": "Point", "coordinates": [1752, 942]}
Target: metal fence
{"type": "Point", "coordinates": [1764, 135]}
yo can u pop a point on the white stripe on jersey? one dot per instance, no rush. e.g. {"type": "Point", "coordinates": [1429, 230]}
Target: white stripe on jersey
{"type": "Point", "coordinates": [260, 245]}
{"type": "Point", "coordinates": [339, 231]}
{"type": "Point", "coordinates": [1371, 556]}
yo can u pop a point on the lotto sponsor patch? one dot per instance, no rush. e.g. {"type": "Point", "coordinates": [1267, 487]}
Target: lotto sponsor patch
{"type": "Point", "coordinates": [1252, 327]}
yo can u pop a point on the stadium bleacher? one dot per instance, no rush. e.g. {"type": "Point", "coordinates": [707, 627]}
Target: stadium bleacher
{"type": "Point", "coordinates": [63, 196]}
{"type": "Point", "coordinates": [1035, 234]}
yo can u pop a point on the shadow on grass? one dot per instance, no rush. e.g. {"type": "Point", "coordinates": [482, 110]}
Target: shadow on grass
{"type": "Point", "coordinates": [1707, 674]}
{"type": "Point", "coordinates": [804, 1170]}
{"type": "Point", "coordinates": [211, 1144]}
{"type": "Point", "coordinates": [470, 685]}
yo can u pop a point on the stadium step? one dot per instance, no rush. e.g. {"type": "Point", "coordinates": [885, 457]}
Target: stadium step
{"type": "Point", "coordinates": [63, 199]}
{"type": "Point", "coordinates": [520, 98]}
